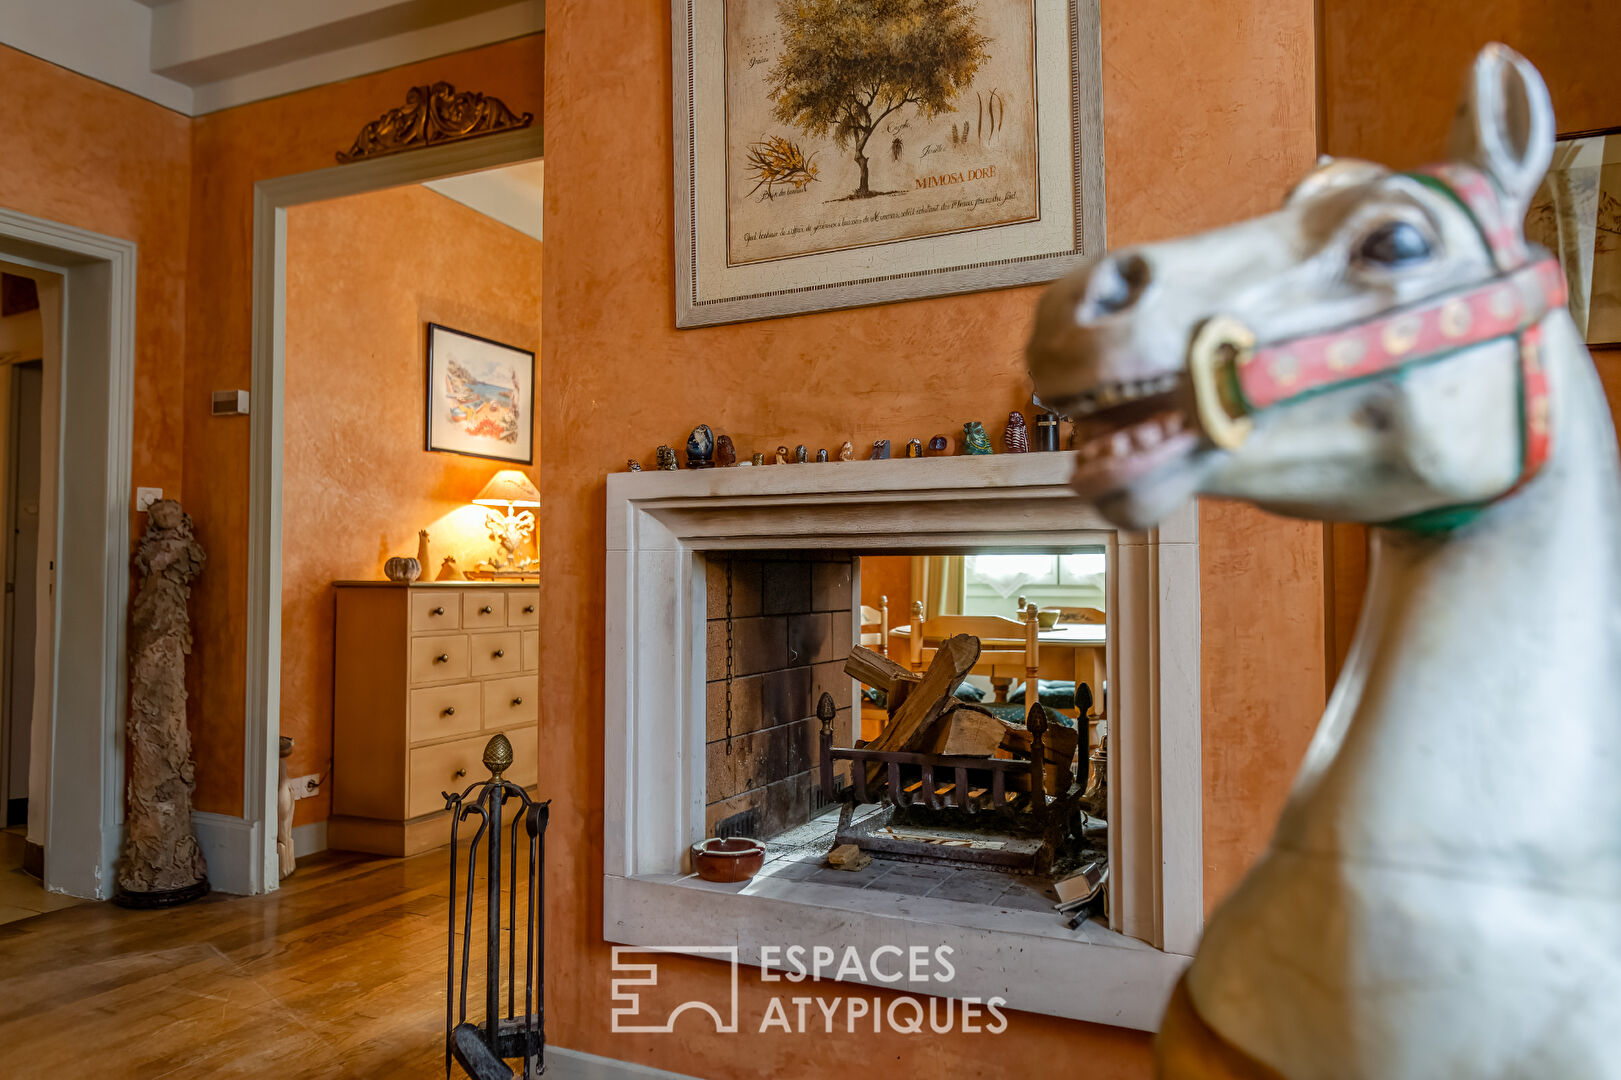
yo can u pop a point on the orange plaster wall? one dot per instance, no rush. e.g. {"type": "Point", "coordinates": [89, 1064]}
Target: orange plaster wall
{"type": "Point", "coordinates": [1389, 78]}
{"type": "Point", "coordinates": [365, 275]}
{"type": "Point", "coordinates": [1209, 114]}
{"type": "Point", "coordinates": [76, 151]}
{"type": "Point", "coordinates": [233, 150]}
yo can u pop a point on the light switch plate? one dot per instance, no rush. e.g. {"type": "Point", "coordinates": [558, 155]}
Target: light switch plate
{"type": "Point", "coordinates": [145, 497]}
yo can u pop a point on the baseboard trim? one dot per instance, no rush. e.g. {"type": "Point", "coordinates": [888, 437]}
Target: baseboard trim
{"type": "Point", "coordinates": [564, 1064]}
{"type": "Point", "coordinates": [230, 845]}
{"type": "Point", "coordinates": [309, 839]}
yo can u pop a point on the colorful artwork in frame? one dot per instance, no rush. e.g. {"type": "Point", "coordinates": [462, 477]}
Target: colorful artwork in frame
{"type": "Point", "coordinates": [481, 396]}
{"type": "Point", "coordinates": [835, 153]}
{"type": "Point", "coordinates": [1577, 215]}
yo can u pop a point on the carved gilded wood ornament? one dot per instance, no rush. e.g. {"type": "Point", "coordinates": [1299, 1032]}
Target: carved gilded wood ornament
{"type": "Point", "coordinates": [430, 116]}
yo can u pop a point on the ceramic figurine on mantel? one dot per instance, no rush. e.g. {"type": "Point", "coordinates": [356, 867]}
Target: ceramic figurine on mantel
{"type": "Point", "coordinates": [1016, 439]}
{"type": "Point", "coordinates": [821, 455]}
{"type": "Point", "coordinates": [666, 458]}
{"type": "Point", "coordinates": [846, 451]}
{"type": "Point", "coordinates": [801, 455]}
{"type": "Point", "coordinates": [914, 448]}
{"type": "Point", "coordinates": [1047, 431]}
{"type": "Point", "coordinates": [701, 448]}
{"type": "Point", "coordinates": [757, 459]}
{"type": "Point", "coordinates": [939, 446]}
{"type": "Point", "coordinates": [725, 452]}
{"type": "Point", "coordinates": [161, 864]}
{"type": "Point", "coordinates": [782, 456]}
{"type": "Point", "coordinates": [423, 562]}
{"type": "Point", "coordinates": [634, 465]}
{"type": "Point", "coordinates": [1442, 894]}
{"type": "Point", "coordinates": [974, 439]}
{"type": "Point", "coordinates": [880, 451]}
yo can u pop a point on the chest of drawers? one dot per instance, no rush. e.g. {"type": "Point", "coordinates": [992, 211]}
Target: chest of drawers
{"type": "Point", "coordinates": [423, 676]}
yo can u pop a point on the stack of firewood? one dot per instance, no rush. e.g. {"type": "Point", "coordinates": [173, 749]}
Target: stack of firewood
{"type": "Point", "coordinates": [925, 717]}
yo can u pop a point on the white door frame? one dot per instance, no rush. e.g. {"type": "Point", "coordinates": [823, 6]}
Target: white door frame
{"type": "Point", "coordinates": [271, 201]}
{"type": "Point", "coordinates": [85, 805]}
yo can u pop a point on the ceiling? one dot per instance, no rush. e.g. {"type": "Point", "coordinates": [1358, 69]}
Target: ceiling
{"type": "Point", "coordinates": [510, 195]}
{"type": "Point", "coordinates": [198, 56]}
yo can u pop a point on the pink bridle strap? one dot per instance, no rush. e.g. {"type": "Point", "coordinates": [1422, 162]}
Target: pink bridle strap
{"type": "Point", "coordinates": [1510, 304]}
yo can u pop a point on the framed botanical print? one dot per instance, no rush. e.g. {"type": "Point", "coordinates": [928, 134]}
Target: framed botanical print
{"type": "Point", "coordinates": [481, 396]}
{"type": "Point", "coordinates": [835, 153]}
{"type": "Point", "coordinates": [1577, 215]}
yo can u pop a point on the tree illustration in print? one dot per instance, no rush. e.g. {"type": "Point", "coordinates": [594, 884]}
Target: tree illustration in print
{"type": "Point", "coordinates": [846, 65]}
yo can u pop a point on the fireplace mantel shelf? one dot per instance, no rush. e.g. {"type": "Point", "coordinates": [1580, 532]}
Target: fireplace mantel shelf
{"type": "Point", "coordinates": [660, 524]}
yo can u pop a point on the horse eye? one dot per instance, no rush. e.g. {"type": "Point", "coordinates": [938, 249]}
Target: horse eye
{"type": "Point", "coordinates": [1395, 243]}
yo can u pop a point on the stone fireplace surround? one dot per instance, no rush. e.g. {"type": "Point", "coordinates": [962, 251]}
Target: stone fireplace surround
{"type": "Point", "coordinates": [659, 527]}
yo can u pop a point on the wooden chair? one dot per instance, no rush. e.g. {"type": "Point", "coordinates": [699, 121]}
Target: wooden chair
{"type": "Point", "coordinates": [1007, 647]}
{"type": "Point", "coordinates": [878, 639]}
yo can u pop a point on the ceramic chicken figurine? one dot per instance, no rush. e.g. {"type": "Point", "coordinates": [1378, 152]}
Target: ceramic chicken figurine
{"type": "Point", "coordinates": [1016, 439]}
{"type": "Point", "coordinates": [975, 441]}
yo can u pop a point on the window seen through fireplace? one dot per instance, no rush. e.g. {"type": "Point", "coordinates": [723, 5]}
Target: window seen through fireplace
{"type": "Point", "coordinates": [923, 760]}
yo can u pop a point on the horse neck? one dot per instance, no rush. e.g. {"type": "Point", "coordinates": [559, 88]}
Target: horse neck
{"type": "Point", "coordinates": [1474, 726]}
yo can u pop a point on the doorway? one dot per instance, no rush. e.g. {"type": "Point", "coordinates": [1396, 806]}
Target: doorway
{"type": "Point", "coordinates": [274, 201]}
{"type": "Point", "coordinates": [75, 533]}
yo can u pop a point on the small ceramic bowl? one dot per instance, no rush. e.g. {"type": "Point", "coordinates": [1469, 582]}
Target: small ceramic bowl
{"type": "Point", "coordinates": [735, 858]}
{"type": "Point", "coordinates": [1047, 618]}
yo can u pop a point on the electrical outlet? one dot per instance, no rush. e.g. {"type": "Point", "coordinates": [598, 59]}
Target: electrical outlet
{"type": "Point", "coordinates": [145, 497]}
{"type": "Point", "coordinates": [305, 786]}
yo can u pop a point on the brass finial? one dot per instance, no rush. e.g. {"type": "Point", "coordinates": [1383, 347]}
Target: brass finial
{"type": "Point", "coordinates": [498, 755]}
{"type": "Point", "coordinates": [826, 711]}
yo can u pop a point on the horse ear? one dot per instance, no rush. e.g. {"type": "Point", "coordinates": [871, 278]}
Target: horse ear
{"type": "Point", "coordinates": [1504, 125]}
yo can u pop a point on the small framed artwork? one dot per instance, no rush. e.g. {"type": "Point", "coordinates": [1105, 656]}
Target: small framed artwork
{"type": "Point", "coordinates": [481, 396]}
{"type": "Point", "coordinates": [836, 153]}
{"type": "Point", "coordinates": [1577, 215]}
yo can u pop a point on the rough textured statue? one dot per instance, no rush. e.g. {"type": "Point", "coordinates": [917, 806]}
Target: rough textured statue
{"type": "Point", "coordinates": [162, 862]}
{"type": "Point", "coordinates": [1442, 897]}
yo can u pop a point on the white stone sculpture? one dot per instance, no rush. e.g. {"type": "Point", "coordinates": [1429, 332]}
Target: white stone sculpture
{"type": "Point", "coordinates": [1442, 897]}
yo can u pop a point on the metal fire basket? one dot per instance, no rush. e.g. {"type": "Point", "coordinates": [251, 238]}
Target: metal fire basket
{"type": "Point", "coordinates": [482, 1050]}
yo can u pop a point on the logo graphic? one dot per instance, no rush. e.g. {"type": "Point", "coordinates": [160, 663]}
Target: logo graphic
{"type": "Point", "coordinates": [630, 975]}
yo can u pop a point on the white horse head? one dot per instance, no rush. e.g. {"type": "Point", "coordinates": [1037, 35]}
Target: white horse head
{"type": "Point", "coordinates": [1307, 360]}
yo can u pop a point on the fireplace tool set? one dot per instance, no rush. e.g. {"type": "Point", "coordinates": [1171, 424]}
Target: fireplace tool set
{"type": "Point", "coordinates": [482, 1050]}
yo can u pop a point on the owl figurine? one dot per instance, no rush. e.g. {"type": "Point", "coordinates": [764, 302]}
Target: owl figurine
{"type": "Point", "coordinates": [666, 458]}
{"type": "Point", "coordinates": [1016, 439]}
{"type": "Point", "coordinates": [975, 441]}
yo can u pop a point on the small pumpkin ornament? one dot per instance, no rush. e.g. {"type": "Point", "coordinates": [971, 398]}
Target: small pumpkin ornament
{"type": "Point", "coordinates": [402, 569]}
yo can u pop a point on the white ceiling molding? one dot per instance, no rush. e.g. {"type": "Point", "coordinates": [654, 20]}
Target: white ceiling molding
{"type": "Point", "coordinates": [200, 56]}
{"type": "Point", "coordinates": [104, 39]}
{"type": "Point", "coordinates": [511, 195]}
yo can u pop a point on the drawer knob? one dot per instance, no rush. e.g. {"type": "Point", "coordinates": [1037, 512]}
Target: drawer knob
{"type": "Point", "coordinates": [437, 611]}
{"type": "Point", "coordinates": [461, 772]}
{"type": "Point", "coordinates": [442, 658]}
{"type": "Point", "coordinates": [529, 609]}
{"type": "Point", "coordinates": [499, 653]}
{"type": "Point", "coordinates": [517, 701]}
{"type": "Point", "coordinates": [450, 710]}
{"type": "Point", "coordinates": [485, 610]}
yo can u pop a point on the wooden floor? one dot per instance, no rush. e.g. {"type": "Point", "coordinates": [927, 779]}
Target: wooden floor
{"type": "Point", "coordinates": [340, 974]}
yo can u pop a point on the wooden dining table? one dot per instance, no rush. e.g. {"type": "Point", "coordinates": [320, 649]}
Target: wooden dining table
{"type": "Point", "coordinates": [1069, 652]}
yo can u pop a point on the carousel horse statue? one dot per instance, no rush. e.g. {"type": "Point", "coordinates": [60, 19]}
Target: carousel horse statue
{"type": "Point", "coordinates": [1442, 897]}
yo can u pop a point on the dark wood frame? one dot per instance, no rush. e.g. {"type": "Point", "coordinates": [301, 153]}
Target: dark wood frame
{"type": "Point", "coordinates": [428, 395]}
{"type": "Point", "coordinates": [1593, 133]}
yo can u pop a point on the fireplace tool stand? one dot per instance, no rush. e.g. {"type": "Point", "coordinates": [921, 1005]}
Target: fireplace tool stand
{"type": "Point", "coordinates": [482, 1050]}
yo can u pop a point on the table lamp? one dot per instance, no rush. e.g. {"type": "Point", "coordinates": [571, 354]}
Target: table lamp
{"type": "Point", "coordinates": [508, 490]}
